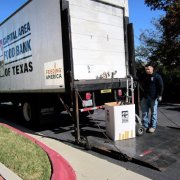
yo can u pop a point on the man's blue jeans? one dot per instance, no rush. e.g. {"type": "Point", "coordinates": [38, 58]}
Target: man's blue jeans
{"type": "Point", "coordinates": [146, 104]}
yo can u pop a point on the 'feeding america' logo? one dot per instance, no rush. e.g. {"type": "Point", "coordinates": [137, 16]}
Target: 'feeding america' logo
{"type": "Point", "coordinates": [54, 73]}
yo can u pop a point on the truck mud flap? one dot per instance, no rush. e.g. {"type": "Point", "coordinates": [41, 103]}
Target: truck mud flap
{"type": "Point", "coordinates": [158, 150]}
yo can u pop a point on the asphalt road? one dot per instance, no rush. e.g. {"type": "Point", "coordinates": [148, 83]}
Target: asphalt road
{"type": "Point", "coordinates": [62, 129]}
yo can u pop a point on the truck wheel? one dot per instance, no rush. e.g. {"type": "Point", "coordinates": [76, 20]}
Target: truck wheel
{"type": "Point", "coordinates": [140, 130]}
{"type": "Point", "coordinates": [27, 112]}
{"type": "Point", "coordinates": [30, 113]}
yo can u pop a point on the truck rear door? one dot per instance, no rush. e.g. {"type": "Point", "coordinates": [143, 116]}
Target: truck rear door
{"type": "Point", "coordinates": [98, 41]}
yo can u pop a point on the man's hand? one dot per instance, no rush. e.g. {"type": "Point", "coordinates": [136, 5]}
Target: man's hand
{"type": "Point", "coordinates": [159, 98]}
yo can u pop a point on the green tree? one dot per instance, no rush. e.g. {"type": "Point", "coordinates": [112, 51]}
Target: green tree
{"type": "Point", "coordinates": [162, 45]}
{"type": "Point", "coordinates": [151, 40]}
{"type": "Point", "coordinates": [168, 50]}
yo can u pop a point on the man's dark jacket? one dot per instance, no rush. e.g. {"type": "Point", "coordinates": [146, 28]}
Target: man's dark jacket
{"type": "Point", "coordinates": [151, 85]}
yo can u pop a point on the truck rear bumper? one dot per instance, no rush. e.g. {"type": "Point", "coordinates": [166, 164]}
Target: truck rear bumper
{"type": "Point", "coordinates": [92, 85]}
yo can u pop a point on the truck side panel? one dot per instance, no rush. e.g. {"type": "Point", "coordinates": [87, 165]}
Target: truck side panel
{"type": "Point", "coordinates": [31, 57]}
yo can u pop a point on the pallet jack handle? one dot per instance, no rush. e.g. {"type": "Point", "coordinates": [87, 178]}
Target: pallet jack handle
{"type": "Point", "coordinates": [129, 77]}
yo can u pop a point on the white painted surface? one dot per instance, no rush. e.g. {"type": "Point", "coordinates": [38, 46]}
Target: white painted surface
{"type": "Point", "coordinates": [45, 46]}
{"type": "Point", "coordinates": [97, 40]}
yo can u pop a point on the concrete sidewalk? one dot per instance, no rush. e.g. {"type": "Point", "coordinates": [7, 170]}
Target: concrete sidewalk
{"type": "Point", "coordinates": [6, 174]}
{"type": "Point", "coordinates": [87, 166]}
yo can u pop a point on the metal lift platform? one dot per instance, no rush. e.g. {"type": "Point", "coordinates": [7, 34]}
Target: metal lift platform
{"type": "Point", "coordinates": [157, 150]}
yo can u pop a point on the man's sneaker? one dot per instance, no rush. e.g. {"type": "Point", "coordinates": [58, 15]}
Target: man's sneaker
{"type": "Point", "coordinates": [151, 130]}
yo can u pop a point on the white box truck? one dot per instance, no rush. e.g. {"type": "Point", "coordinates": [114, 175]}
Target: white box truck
{"type": "Point", "coordinates": [72, 54]}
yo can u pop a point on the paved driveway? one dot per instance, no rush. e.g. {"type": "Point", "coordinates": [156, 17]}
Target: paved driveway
{"type": "Point", "coordinates": [169, 115]}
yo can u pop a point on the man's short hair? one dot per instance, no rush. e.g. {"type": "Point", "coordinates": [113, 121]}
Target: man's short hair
{"type": "Point", "coordinates": [150, 64]}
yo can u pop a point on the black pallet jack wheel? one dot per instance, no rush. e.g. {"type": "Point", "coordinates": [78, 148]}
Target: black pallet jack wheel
{"type": "Point", "coordinates": [140, 130]}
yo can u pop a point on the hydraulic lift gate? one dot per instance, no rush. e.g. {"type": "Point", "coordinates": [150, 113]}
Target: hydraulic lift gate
{"type": "Point", "coordinates": [158, 150]}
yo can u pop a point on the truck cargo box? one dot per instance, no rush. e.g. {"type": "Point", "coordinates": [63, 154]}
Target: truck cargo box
{"type": "Point", "coordinates": [31, 48]}
{"type": "Point", "coordinates": [71, 55]}
{"type": "Point", "coordinates": [31, 41]}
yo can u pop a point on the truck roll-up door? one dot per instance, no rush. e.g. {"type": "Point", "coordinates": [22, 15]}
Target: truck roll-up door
{"type": "Point", "coordinates": [98, 43]}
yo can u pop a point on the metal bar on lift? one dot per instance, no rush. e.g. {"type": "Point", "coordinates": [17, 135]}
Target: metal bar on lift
{"type": "Point", "coordinates": [94, 100]}
{"type": "Point", "coordinates": [65, 106]}
{"type": "Point", "coordinates": [92, 108]}
{"type": "Point", "coordinates": [132, 90]}
{"type": "Point", "coordinates": [76, 116]}
{"type": "Point", "coordinates": [127, 90]}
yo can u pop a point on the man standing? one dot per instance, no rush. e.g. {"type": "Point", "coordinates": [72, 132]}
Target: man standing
{"type": "Point", "coordinates": [151, 85]}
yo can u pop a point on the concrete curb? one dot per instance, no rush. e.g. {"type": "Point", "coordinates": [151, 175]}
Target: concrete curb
{"type": "Point", "coordinates": [61, 168]}
{"type": "Point", "coordinates": [6, 173]}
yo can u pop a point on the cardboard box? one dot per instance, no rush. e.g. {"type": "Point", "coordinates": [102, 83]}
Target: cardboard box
{"type": "Point", "coordinates": [120, 121]}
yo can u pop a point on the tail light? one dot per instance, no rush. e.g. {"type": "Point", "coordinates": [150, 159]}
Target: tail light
{"type": "Point", "coordinates": [88, 96]}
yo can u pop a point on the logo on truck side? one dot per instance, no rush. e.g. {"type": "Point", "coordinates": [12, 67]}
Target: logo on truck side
{"type": "Point", "coordinates": [54, 73]}
{"type": "Point", "coordinates": [17, 43]}
{"type": "Point", "coordinates": [14, 47]}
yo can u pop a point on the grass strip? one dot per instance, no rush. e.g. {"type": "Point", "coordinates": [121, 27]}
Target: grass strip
{"type": "Point", "coordinates": [23, 157]}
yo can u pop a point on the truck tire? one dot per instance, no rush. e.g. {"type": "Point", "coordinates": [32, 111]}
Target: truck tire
{"type": "Point", "coordinates": [27, 111]}
{"type": "Point", "coordinates": [30, 113]}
